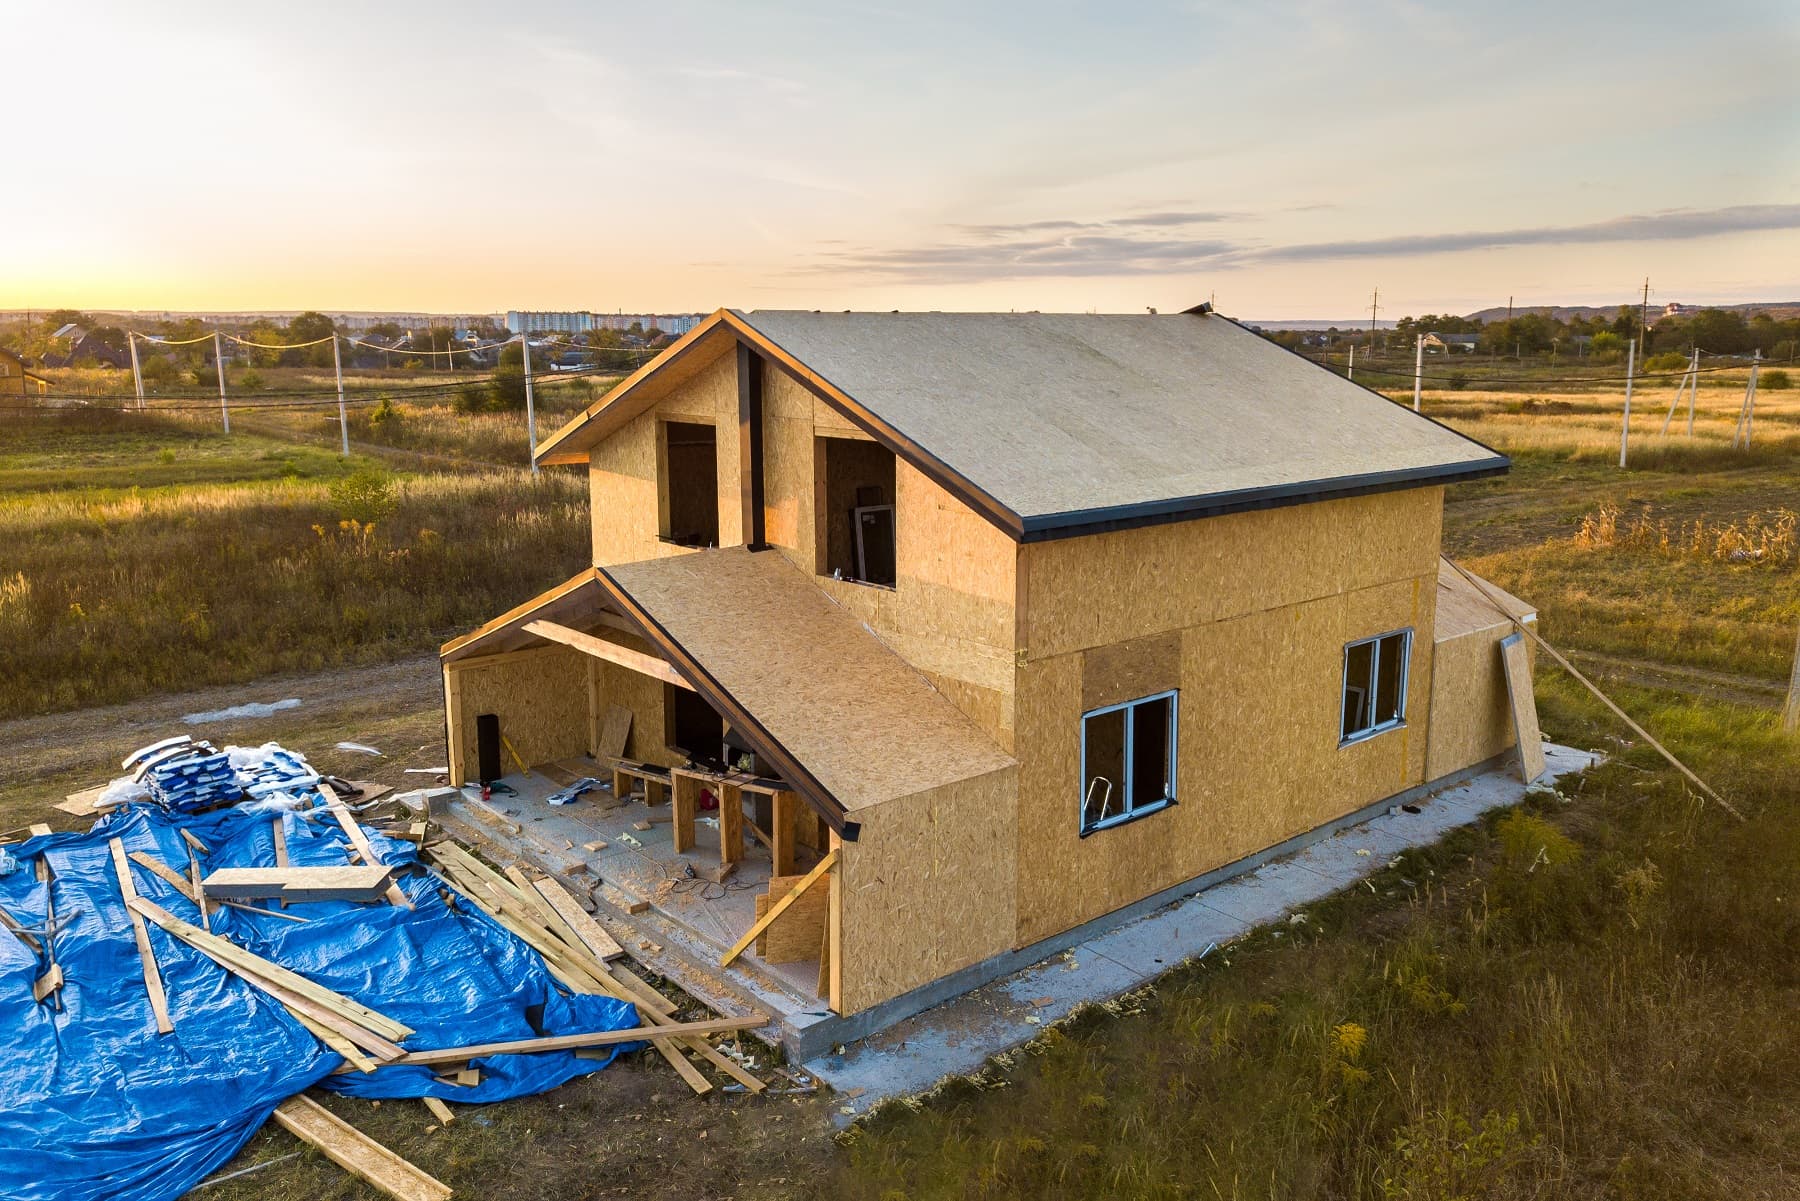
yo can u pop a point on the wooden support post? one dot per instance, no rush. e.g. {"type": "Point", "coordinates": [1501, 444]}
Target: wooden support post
{"type": "Point", "coordinates": [834, 939]}
{"type": "Point", "coordinates": [687, 804]}
{"type": "Point", "coordinates": [594, 715]}
{"type": "Point", "coordinates": [782, 823]}
{"type": "Point", "coordinates": [731, 822]}
{"type": "Point", "coordinates": [453, 724]}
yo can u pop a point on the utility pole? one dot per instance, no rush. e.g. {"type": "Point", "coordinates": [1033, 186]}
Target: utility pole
{"type": "Point", "coordinates": [137, 374]}
{"type": "Point", "coordinates": [1418, 368]}
{"type": "Point", "coordinates": [1790, 712]}
{"type": "Point", "coordinates": [1687, 377]}
{"type": "Point", "coordinates": [1644, 317]}
{"type": "Point", "coordinates": [530, 406]}
{"type": "Point", "coordinates": [1374, 306]}
{"type": "Point", "coordinates": [1747, 418]}
{"type": "Point", "coordinates": [1625, 428]}
{"type": "Point", "coordinates": [337, 363]}
{"type": "Point", "coordinates": [1350, 371]}
{"type": "Point", "coordinates": [219, 366]}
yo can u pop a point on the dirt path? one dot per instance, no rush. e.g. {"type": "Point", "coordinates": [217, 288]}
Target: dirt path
{"type": "Point", "coordinates": [394, 707]}
{"type": "Point", "coordinates": [1750, 691]}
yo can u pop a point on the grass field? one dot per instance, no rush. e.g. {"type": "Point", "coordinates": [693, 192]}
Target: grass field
{"type": "Point", "coordinates": [1592, 998]}
{"type": "Point", "coordinates": [242, 556]}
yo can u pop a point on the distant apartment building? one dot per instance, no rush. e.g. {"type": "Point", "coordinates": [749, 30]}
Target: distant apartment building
{"type": "Point", "coordinates": [668, 323]}
{"type": "Point", "coordinates": [541, 322]}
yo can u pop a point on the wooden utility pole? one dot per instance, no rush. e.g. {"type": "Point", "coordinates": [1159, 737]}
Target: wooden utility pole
{"type": "Point", "coordinates": [1790, 712]}
{"type": "Point", "coordinates": [1374, 307]}
{"type": "Point", "coordinates": [1625, 427]}
{"type": "Point", "coordinates": [1418, 368]}
{"type": "Point", "coordinates": [1644, 317]}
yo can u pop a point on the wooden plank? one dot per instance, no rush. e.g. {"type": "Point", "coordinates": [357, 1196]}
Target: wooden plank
{"type": "Point", "coordinates": [152, 977]}
{"type": "Point", "coordinates": [593, 706]}
{"type": "Point", "coordinates": [824, 984]}
{"type": "Point", "coordinates": [281, 852]}
{"type": "Point", "coordinates": [783, 820]}
{"type": "Point", "coordinates": [592, 934]}
{"type": "Point", "coordinates": [357, 1153]}
{"type": "Point", "coordinates": [1524, 707]}
{"type": "Point", "coordinates": [576, 1042]}
{"type": "Point", "coordinates": [614, 732]}
{"type": "Point", "coordinates": [834, 969]}
{"type": "Point", "coordinates": [360, 841]}
{"type": "Point", "coordinates": [687, 804]}
{"type": "Point", "coordinates": [780, 907]}
{"type": "Point", "coordinates": [47, 983]}
{"type": "Point", "coordinates": [163, 872]}
{"type": "Point", "coordinates": [453, 728]}
{"type": "Point", "coordinates": [612, 652]}
{"type": "Point", "coordinates": [234, 956]}
{"type": "Point", "coordinates": [731, 823]}
{"type": "Point", "coordinates": [360, 883]}
{"type": "Point", "coordinates": [345, 1049]}
{"type": "Point", "coordinates": [21, 933]}
{"type": "Point", "coordinates": [198, 895]}
{"type": "Point", "coordinates": [439, 1110]}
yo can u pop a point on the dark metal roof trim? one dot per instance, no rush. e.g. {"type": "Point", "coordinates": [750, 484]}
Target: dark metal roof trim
{"type": "Point", "coordinates": [1050, 526]}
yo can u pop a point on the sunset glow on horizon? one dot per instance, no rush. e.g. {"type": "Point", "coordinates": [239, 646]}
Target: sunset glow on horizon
{"type": "Point", "coordinates": [1287, 159]}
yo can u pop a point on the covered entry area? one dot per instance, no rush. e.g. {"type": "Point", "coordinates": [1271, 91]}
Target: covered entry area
{"type": "Point", "coordinates": [746, 727]}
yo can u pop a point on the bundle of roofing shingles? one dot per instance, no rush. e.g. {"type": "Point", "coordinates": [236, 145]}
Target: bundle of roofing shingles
{"type": "Point", "coordinates": [186, 776]}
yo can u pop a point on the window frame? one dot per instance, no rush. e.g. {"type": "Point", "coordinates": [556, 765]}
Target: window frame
{"type": "Point", "coordinates": [1132, 811]}
{"type": "Point", "coordinates": [1399, 719]}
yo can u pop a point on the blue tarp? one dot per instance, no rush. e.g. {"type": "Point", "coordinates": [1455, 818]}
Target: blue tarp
{"type": "Point", "coordinates": [95, 1104]}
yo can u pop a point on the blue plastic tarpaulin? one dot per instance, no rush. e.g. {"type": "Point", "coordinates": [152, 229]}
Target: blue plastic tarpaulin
{"type": "Point", "coordinates": [94, 1103]}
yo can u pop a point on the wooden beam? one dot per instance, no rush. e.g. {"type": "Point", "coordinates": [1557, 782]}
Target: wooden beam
{"type": "Point", "coordinates": [783, 817]}
{"type": "Point", "coordinates": [153, 984]}
{"type": "Point", "coordinates": [357, 1153]}
{"type": "Point", "coordinates": [780, 907]}
{"type": "Point", "coordinates": [577, 1042]}
{"type": "Point", "coordinates": [47, 983]}
{"type": "Point", "coordinates": [612, 652]}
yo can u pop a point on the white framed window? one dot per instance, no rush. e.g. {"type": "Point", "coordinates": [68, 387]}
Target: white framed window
{"type": "Point", "coordinates": [1127, 760]}
{"type": "Point", "coordinates": [1375, 685]}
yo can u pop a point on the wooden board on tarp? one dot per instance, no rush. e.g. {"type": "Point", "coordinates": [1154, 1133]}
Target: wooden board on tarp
{"type": "Point", "coordinates": [795, 935]}
{"type": "Point", "coordinates": [1524, 706]}
{"type": "Point", "coordinates": [293, 884]}
{"type": "Point", "coordinates": [81, 804]}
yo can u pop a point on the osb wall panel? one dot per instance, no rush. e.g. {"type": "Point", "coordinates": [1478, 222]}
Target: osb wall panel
{"type": "Point", "coordinates": [951, 613]}
{"type": "Point", "coordinates": [1470, 717]}
{"type": "Point", "coordinates": [928, 887]}
{"type": "Point", "coordinates": [1258, 755]}
{"type": "Point", "coordinates": [542, 702]}
{"type": "Point", "coordinates": [1107, 588]}
{"type": "Point", "coordinates": [622, 470]}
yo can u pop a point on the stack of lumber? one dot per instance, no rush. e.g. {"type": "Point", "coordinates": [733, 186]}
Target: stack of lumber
{"type": "Point", "coordinates": [583, 956]}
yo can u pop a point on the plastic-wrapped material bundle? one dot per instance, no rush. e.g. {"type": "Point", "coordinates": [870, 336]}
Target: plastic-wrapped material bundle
{"type": "Point", "coordinates": [184, 785]}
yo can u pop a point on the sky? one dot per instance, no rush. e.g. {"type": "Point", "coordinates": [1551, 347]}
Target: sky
{"type": "Point", "coordinates": [1283, 159]}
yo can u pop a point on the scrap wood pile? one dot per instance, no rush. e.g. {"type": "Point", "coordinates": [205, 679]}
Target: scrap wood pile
{"type": "Point", "coordinates": [183, 972]}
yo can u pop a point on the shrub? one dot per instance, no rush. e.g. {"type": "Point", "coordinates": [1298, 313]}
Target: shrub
{"type": "Point", "coordinates": [366, 496]}
{"type": "Point", "coordinates": [384, 419]}
{"type": "Point", "coordinates": [1776, 380]}
{"type": "Point", "coordinates": [1667, 361]}
{"type": "Point", "coordinates": [251, 381]}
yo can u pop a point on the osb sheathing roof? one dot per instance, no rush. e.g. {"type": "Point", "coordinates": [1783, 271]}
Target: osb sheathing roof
{"type": "Point", "coordinates": [1056, 413]}
{"type": "Point", "coordinates": [1462, 609]}
{"type": "Point", "coordinates": [866, 724]}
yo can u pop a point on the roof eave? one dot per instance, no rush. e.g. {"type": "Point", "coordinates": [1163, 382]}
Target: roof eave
{"type": "Point", "coordinates": [1047, 527]}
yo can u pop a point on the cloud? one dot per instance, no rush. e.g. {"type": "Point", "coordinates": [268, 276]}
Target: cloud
{"type": "Point", "coordinates": [1152, 244]}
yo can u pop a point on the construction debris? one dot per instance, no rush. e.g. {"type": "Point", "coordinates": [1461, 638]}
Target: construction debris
{"type": "Point", "coordinates": [385, 989]}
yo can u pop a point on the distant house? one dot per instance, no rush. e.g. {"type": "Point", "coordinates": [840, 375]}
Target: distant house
{"type": "Point", "coordinates": [17, 382]}
{"type": "Point", "coordinates": [1449, 342]}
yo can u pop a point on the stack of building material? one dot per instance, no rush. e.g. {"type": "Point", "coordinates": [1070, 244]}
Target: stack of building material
{"type": "Point", "coordinates": [186, 785]}
{"type": "Point", "coordinates": [269, 768]}
{"type": "Point", "coordinates": [426, 998]}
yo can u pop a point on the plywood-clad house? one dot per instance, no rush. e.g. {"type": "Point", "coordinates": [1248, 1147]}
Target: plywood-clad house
{"type": "Point", "coordinates": [1039, 616]}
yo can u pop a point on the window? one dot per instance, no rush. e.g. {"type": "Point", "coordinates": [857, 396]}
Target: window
{"type": "Point", "coordinates": [689, 483]}
{"type": "Point", "coordinates": [1127, 761]}
{"type": "Point", "coordinates": [1375, 685]}
{"type": "Point", "coordinates": [855, 489]}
